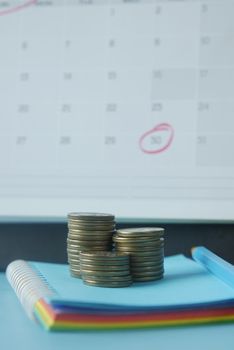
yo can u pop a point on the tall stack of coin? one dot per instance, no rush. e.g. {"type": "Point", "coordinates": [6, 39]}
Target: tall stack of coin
{"type": "Point", "coordinates": [88, 232]}
{"type": "Point", "coordinates": [146, 248]}
{"type": "Point", "coordinates": [105, 269]}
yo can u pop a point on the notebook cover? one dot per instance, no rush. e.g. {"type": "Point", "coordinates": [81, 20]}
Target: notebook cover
{"type": "Point", "coordinates": [188, 294]}
{"type": "Point", "coordinates": [186, 284]}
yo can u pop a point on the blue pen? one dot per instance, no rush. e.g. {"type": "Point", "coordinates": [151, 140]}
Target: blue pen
{"type": "Point", "coordinates": [213, 263]}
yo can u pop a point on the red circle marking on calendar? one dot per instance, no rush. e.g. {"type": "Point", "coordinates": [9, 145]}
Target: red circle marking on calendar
{"type": "Point", "coordinates": [163, 127]}
{"type": "Point", "coordinates": [22, 6]}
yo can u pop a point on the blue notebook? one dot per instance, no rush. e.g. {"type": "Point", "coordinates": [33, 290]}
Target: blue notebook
{"type": "Point", "coordinates": [185, 283]}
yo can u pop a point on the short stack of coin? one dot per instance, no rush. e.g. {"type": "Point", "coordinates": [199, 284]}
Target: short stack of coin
{"type": "Point", "coordinates": [88, 232]}
{"type": "Point", "coordinates": [105, 269]}
{"type": "Point", "coordinates": [146, 248]}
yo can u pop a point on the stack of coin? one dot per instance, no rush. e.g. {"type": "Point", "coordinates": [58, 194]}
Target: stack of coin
{"type": "Point", "coordinates": [105, 269]}
{"type": "Point", "coordinates": [146, 248]}
{"type": "Point", "coordinates": [88, 232]}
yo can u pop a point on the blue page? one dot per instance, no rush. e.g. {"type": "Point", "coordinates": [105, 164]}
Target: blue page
{"type": "Point", "coordinates": [185, 283]}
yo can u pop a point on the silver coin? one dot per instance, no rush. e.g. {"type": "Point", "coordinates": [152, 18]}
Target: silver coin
{"type": "Point", "coordinates": [137, 250]}
{"type": "Point", "coordinates": [75, 254]}
{"type": "Point", "coordinates": [97, 221]}
{"type": "Point", "coordinates": [73, 251]}
{"type": "Point", "coordinates": [105, 255]}
{"type": "Point", "coordinates": [94, 247]}
{"type": "Point", "coordinates": [143, 254]}
{"type": "Point", "coordinates": [91, 228]}
{"type": "Point", "coordinates": [75, 270]}
{"type": "Point", "coordinates": [76, 259]}
{"type": "Point", "coordinates": [137, 240]}
{"type": "Point", "coordinates": [92, 224]}
{"type": "Point", "coordinates": [91, 232]}
{"type": "Point", "coordinates": [148, 229]}
{"type": "Point", "coordinates": [145, 272]}
{"type": "Point", "coordinates": [73, 257]}
{"type": "Point", "coordinates": [106, 278]}
{"type": "Point", "coordinates": [76, 275]}
{"type": "Point", "coordinates": [88, 249]}
{"type": "Point", "coordinates": [89, 242]}
{"type": "Point", "coordinates": [107, 284]}
{"type": "Point", "coordinates": [98, 267]}
{"type": "Point", "coordinates": [88, 227]}
{"type": "Point", "coordinates": [109, 264]}
{"type": "Point", "coordinates": [90, 216]}
{"type": "Point", "coordinates": [72, 242]}
{"type": "Point", "coordinates": [88, 236]}
{"type": "Point", "coordinates": [78, 225]}
{"type": "Point", "coordinates": [73, 261]}
{"type": "Point", "coordinates": [146, 264]}
{"type": "Point", "coordinates": [155, 258]}
{"type": "Point", "coordinates": [75, 266]}
{"type": "Point", "coordinates": [139, 231]}
{"type": "Point", "coordinates": [104, 274]}
{"type": "Point", "coordinates": [147, 278]}
{"type": "Point", "coordinates": [138, 246]}
{"type": "Point", "coordinates": [90, 246]}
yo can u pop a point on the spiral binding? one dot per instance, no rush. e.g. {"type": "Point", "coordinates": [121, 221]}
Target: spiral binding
{"type": "Point", "coordinates": [28, 284]}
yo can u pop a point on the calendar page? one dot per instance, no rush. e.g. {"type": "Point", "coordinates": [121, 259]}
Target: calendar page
{"type": "Point", "coordinates": [118, 106]}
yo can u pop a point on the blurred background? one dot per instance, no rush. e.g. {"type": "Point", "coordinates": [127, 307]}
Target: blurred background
{"type": "Point", "coordinates": [124, 107]}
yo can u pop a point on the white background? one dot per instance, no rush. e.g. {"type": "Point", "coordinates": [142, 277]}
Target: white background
{"type": "Point", "coordinates": [84, 88]}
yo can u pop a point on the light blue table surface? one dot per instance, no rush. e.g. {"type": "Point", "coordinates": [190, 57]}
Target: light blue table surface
{"type": "Point", "coordinates": [18, 332]}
